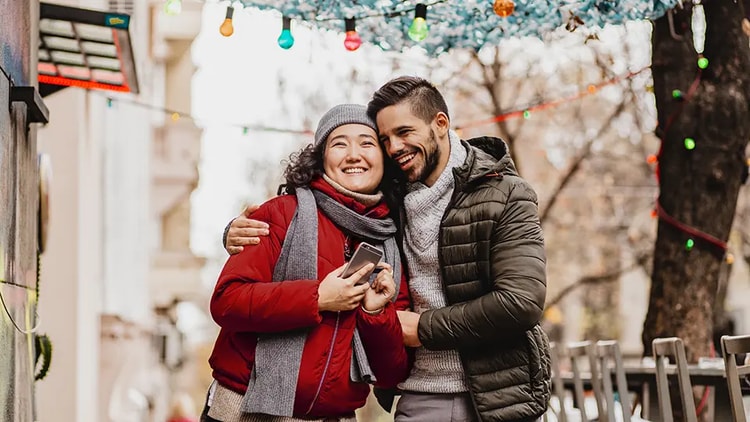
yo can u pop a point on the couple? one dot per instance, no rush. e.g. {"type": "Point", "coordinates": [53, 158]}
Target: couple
{"type": "Point", "coordinates": [471, 242]}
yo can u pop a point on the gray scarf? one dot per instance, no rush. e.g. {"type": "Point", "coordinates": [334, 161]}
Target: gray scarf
{"type": "Point", "coordinates": [273, 381]}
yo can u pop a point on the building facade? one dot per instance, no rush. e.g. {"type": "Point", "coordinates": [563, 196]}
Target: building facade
{"type": "Point", "coordinates": [19, 200]}
{"type": "Point", "coordinates": [116, 259]}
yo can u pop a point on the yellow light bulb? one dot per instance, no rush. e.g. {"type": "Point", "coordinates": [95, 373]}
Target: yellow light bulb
{"type": "Point", "coordinates": [227, 29]}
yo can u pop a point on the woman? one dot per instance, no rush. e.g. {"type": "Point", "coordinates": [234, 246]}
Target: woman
{"type": "Point", "coordinates": [297, 341]}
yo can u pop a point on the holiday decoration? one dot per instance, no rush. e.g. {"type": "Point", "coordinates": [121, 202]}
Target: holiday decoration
{"type": "Point", "coordinates": [286, 40]}
{"type": "Point", "coordinates": [227, 29]}
{"type": "Point", "coordinates": [173, 7]}
{"type": "Point", "coordinates": [352, 40]}
{"type": "Point", "coordinates": [392, 24]}
{"type": "Point", "coordinates": [418, 28]}
{"type": "Point", "coordinates": [504, 8]}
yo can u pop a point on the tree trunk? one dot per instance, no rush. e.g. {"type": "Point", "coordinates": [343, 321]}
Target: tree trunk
{"type": "Point", "coordinates": [698, 187]}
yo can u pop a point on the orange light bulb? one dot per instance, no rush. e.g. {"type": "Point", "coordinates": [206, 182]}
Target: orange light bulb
{"type": "Point", "coordinates": [227, 29]}
{"type": "Point", "coordinates": [504, 8]}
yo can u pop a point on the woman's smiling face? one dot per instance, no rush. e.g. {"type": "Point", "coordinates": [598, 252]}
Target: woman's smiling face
{"type": "Point", "coordinates": [353, 158]}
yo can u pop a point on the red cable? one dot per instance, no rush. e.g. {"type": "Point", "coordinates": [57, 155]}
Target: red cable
{"type": "Point", "coordinates": [692, 231]}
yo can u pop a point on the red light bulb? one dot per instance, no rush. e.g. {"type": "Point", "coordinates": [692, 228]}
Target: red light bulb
{"type": "Point", "coordinates": [352, 40]}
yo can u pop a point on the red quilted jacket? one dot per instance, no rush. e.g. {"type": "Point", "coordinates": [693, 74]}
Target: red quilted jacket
{"type": "Point", "coordinates": [245, 302]}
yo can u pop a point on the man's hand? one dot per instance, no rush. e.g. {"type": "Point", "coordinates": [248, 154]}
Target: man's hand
{"type": "Point", "coordinates": [409, 325]}
{"type": "Point", "coordinates": [382, 290]}
{"type": "Point", "coordinates": [342, 294]}
{"type": "Point", "coordinates": [244, 231]}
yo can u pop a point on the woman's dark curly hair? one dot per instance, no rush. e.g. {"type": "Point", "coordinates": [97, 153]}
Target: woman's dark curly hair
{"type": "Point", "coordinates": [306, 164]}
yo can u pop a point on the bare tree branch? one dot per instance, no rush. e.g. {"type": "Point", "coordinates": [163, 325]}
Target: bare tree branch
{"type": "Point", "coordinates": [596, 279]}
{"type": "Point", "coordinates": [576, 164]}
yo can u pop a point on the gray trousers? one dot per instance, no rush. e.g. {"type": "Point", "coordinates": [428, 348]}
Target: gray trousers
{"type": "Point", "coordinates": [421, 407]}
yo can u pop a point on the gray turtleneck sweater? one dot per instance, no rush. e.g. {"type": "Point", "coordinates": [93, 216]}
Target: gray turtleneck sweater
{"type": "Point", "coordinates": [433, 371]}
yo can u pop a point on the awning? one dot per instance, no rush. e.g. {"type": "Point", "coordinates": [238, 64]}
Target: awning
{"type": "Point", "coordinates": [84, 48]}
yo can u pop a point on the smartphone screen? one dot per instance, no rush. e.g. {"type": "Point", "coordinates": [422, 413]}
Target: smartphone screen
{"type": "Point", "coordinates": [365, 254]}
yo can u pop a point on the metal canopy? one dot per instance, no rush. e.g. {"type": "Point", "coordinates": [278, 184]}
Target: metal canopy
{"type": "Point", "coordinates": [84, 48]}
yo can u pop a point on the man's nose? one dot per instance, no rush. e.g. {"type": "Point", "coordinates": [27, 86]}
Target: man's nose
{"type": "Point", "coordinates": [394, 145]}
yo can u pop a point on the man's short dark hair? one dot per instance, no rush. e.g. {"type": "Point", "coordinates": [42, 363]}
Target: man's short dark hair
{"type": "Point", "coordinates": [425, 100]}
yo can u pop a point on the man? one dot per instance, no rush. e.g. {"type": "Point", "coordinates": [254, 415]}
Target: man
{"type": "Point", "coordinates": [474, 248]}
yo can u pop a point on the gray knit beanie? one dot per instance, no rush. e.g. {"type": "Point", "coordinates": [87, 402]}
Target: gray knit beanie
{"type": "Point", "coordinates": [342, 114]}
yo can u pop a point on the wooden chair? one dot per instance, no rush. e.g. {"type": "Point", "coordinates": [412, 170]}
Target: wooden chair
{"type": "Point", "coordinates": [731, 346]}
{"type": "Point", "coordinates": [663, 348]}
{"type": "Point", "coordinates": [577, 352]}
{"type": "Point", "coordinates": [608, 353]}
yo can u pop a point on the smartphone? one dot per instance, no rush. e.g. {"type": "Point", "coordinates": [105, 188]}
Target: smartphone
{"type": "Point", "coordinates": [365, 254]}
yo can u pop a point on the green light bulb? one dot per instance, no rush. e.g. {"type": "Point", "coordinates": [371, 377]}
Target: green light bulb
{"type": "Point", "coordinates": [173, 7]}
{"type": "Point", "coordinates": [689, 244]}
{"type": "Point", "coordinates": [418, 29]}
{"type": "Point", "coordinates": [676, 94]}
{"type": "Point", "coordinates": [702, 62]}
{"type": "Point", "coordinates": [526, 114]}
{"type": "Point", "coordinates": [689, 144]}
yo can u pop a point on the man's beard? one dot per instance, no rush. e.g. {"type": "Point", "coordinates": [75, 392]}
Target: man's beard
{"type": "Point", "coordinates": [431, 158]}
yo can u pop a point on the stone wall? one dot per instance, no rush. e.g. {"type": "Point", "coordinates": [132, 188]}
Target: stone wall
{"type": "Point", "coordinates": [18, 216]}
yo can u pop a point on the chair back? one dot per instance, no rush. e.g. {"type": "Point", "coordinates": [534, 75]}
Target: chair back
{"type": "Point", "coordinates": [731, 346]}
{"type": "Point", "coordinates": [608, 353]}
{"type": "Point", "coordinates": [557, 382]}
{"type": "Point", "coordinates": [663, 348]}
{"type": "Point", "coordinates": [577, 352]}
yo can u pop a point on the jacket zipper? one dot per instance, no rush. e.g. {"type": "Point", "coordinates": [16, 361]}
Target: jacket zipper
{"type": "Point", "coordinates": [325, 368]}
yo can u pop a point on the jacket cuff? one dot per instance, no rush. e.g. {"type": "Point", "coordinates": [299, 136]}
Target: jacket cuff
{"type": "Point", "coordinates": [424, 329]}
{"type": "Point", "coordinates": [226, 232]}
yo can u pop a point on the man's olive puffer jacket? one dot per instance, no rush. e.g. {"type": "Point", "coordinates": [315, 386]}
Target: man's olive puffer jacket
{"type": "Point", "coordinates": [491, 252]}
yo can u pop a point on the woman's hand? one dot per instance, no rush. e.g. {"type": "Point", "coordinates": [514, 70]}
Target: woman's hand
{"type": "Point", "coordinates": [382, 290]}
{"type": "Point", "coordinates": [342, 294]}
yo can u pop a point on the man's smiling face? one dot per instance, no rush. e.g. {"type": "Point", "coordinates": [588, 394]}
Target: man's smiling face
{"type": "Point", "coordinates": [410, 141]}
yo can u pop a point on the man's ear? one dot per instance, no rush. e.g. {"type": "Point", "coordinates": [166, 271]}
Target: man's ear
{"type": "Point", "coordinates": [442, 124]}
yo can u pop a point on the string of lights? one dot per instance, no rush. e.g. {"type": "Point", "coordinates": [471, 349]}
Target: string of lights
{"type": "Point", "coordinates": [526, 112]}
{"type": "Point", "coordinates": [440, 25]}
{"type": "Point", "coordinates": [690, 144]}
{"type": "Point", "coordinates": [515, 112]}
{"type": "Point", "coordinates": [176, 115]}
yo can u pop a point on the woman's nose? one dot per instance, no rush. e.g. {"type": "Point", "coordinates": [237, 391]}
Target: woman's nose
{"type": "Point", "coordinates": [353, 153]}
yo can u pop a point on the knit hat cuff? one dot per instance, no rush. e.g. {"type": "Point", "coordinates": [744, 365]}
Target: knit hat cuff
{"type": "Point", "coordinates": [342, 114]}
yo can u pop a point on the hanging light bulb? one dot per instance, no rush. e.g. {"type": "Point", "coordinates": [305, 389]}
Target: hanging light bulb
{"type": "Point", "coordinates": [173, 7]}
{"type": "Point", "coordinates": [286, 40]}
{"type": "Point", "coordinates": [227, 29]}
{"type": "Point", "coordinates": [418, 29]}
{"type": "Point", "coordinates": [352, 40]}
{"type": "Point", "coordinates": [504, 8]}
